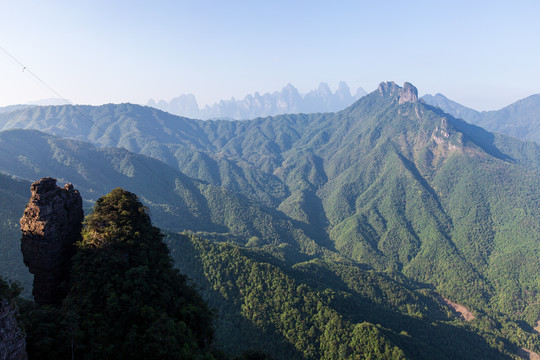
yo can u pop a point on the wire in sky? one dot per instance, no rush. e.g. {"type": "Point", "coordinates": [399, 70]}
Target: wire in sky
{"type": "Point", "coordinates": [66, 101]}
{"type": "Point", "coordinates": [93, 124]}
{"type": "Point", "coordinates": [26, 69]}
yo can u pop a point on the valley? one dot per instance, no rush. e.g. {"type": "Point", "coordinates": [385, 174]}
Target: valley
{"type": "Point", "coordinates": [389, 229]}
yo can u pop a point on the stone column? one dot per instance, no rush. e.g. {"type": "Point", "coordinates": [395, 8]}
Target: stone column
{"type": "Point", "coordinates": [50, 226]}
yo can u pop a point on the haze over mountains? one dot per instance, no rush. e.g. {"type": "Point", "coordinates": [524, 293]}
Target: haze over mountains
{"type": "Point", "coordinates": [520, 119]}
{"type": "Point", "coordinates": [321, 235]}
{"type": "Point", "coordinates": [287, 101]}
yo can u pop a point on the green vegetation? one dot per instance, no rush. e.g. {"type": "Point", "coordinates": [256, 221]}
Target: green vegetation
{"type": "Point", "coordinates": [126, 301]}
{"type": "Point", "coordinates": [177, 202]}
{"type": "Point", "coordinates": [326, 309]}
{"type": "Point", "coordinates": [272, 310]}
{"type": "Point", "coordinates": [374, 213]}
{"type": "Point", "coordinates": [520, 119]}
{"type": "Point", "coordinates": [14, 195]}
{"type": "Point", "coordinates": [8, 291]}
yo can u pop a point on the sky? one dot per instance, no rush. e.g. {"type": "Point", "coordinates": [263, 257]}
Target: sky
{"type": "Point", "coordinates": [482, 54]}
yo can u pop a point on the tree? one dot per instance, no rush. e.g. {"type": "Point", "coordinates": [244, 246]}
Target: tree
{"type": "Point", "coordinates": [126, 300]}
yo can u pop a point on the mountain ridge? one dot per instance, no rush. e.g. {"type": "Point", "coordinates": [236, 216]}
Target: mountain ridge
{"type": "Point", "coordinates": [288, 100]}
{"type": "Point", "coordinates": [390, 184]}
{"type": "Point", "coordinates": [519, 119]}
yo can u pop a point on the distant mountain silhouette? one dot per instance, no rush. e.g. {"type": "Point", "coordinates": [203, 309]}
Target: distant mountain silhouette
{"type": "Point", "coordinates": [42, 102]}
{"type": "Point", "coordinates": [287, 101]}
{"type": "Point", "coordinates": [49, 101]}
{"type": "Point", "coordinates": [10, 108]}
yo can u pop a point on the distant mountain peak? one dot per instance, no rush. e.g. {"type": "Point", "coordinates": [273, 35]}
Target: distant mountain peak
{"type": "Point", "coordinates": [324, 89]}
{"type": "Point", "coordinates": [388, 89]}
{"type": "Point", "coordinates": [407, 93]}
{"type": "Point", "coordinates": [343, 86]}
{"type": "Point", "coordinates": [288, 100]}
{"type": "Point", "coordinates": [289, 87]}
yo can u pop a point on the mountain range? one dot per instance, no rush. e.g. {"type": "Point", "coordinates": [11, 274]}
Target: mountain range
{"type": "Point", "coordinates": [520, 119]}
{"type": "Point", "coordinates": [287, 101]}
{"type": "Point", "coordinates": [389, 229]}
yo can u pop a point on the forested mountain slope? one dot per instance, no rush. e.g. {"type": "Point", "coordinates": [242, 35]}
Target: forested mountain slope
{"type": "Point", "coordinates": [329, 309]}
{"type": "Point", "coordinates": [385, 179]}
{"type": "Point", "coordinates": [520, 119]}
{"type": "Point", "coordinates": [123, 298]}
{"type": "Point", "coordinates": [14, 195]}
{"type": "Point", "coordinates": [390, 184]}
{"type": "Point", "coordinates": [175, 200]}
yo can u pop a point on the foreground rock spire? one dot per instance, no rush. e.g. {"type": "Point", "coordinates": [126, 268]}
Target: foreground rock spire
{"type": "Point", "coordinates": [50, 226]}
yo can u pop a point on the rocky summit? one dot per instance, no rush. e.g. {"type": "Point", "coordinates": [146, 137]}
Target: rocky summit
{"type": "Point", "coordinates": [409, 93]}
{"type": "Point", "coordinates": [50, 226]}
{"type": "Point", "coordinates": [405, 94]}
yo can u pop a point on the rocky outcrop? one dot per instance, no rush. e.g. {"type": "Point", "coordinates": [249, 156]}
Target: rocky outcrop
{"type": "Point", "coordinates": [408, 94]}
{"type": "Point", "coordinates": [405, 94]}
{"type": "Point", "coordinates": [389, 88]}
{"type": "Point", "coordinates": [12, 340]}
{"type": "Point", "coordinates": [51, 224]}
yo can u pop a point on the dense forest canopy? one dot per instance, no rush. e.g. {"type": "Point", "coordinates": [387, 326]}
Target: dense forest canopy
{"type": "Point", "coordinates": [126, 300]}
{"type": "Point", "coordinates": [310, 235]}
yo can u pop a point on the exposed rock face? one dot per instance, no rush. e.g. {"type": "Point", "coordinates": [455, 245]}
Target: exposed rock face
{"type": "Point", "coordinates": [388, 88]}
{"type": "Point", "coordinates": [51, 224]}
{"type": "Point", "coordinates": [407, 93]}
{"type": "Point", "coordinates": [12, 341]}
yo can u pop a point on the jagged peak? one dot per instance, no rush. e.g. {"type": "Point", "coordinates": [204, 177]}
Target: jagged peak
{"type": "Point", "coordinates": [343, 86]}
{"type": "Point", "coordinates": [324, 88]}
{"type": "Point", "coordinates": [407, 93]}
{"type": "Point", "coordinates": [289, 87]}
{"type": "Point", "coordinates": [389, 88]}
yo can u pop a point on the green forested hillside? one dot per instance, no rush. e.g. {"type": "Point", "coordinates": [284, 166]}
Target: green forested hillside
{"type": "Point", "coordinates": [391, 201]}
{"type": "Point", "coordinates": [520, 119]}
{"type": "Point", "coordinates": [125, 299]}
{"type": "Point", "coordinates": [179, 142]}
{"type": "Point", "coordinates": [326, 309]}
{"type": "Point", "coordinates": [176, 201]}
{"type": "Point", "coordinates": [14, 195]}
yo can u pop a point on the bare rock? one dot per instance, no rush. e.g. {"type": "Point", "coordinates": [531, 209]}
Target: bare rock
{"type": "Point", "coordinates": [50, 226]}
{"type": "Point", "coordinates": [405, 94]}
{"type": "Point", "coordinates": [408, 93]}
{"type": "Point", "coordinates": [389, 88]}
{"type": "Point", "coordinates": [12, 340]}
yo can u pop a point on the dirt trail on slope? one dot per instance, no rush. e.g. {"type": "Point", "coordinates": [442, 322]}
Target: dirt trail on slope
{"type": "Point", "coordinates": [528, 354]}
{"type": "Point", "coordinates": [462, 310]}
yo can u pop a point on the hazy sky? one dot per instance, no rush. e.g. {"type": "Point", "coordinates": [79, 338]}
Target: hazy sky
{"type": "Point", "coordinates": [483, 54]}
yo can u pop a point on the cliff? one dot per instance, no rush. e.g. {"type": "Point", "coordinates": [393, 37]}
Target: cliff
{"type": "Point", "coordinates": [50, 226]}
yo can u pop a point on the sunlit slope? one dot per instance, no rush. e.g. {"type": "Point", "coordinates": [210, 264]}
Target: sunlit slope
{"type": "Point", "coordinates": [520, 119]}
{"type": "Point", "coordinates": [176, 201]}
{"type": "Point", "coordinates": [390, 182]}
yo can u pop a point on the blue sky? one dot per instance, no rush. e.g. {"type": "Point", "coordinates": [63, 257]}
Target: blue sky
{"type": "Point", "coordinates": [483, 54]}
